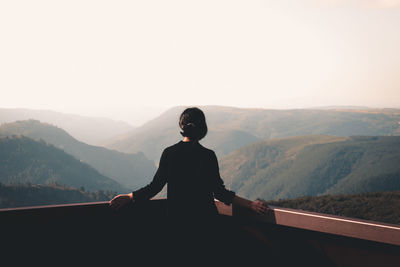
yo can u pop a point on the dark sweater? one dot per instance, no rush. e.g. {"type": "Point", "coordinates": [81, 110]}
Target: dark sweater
{"type": "Point", "coordinates": [193, 178]}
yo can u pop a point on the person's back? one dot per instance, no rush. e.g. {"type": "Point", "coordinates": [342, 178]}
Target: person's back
{"type": "Point", "coordinates": [192, 174]}
{"type": "Point", "coordinates": [193, 180]}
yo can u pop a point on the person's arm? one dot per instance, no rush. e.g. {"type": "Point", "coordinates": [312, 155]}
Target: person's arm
{"type": "Point", "coordinates": [146, 192]}
{"type": "Point", "coordinates": [220, 192]}
{"type": "Point", "coordinates": [228, 197]}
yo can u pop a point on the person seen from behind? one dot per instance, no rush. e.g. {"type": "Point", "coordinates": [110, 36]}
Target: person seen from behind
{"type": "Point", "coordinates": [192, 174]}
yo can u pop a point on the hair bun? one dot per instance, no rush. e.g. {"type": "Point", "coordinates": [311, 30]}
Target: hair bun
{"type": "Point", "coordinates": [189, 127]}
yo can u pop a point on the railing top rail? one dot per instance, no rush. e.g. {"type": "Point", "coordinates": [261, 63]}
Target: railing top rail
{"type": "Point", "coordinates": [54, 206]}
{"type": "Point", "coordinates": [337, 225]}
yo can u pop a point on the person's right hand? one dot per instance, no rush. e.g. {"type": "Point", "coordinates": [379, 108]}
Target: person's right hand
{"type": "Point", "coordinates": [121, 200]}
{"type": "Point", "coordinates": [259, 207]}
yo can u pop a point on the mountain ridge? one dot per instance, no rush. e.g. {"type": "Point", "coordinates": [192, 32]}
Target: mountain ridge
{"type": "Point", "coordinates": [231, 128]}
{"type": "Point", "coordinates": [313, 165]}
{"type": "Point", "coordinates": [24, 160]}
{"type": "Point", "coordinates": [130, 170]}
{"type": "Point", "coordinates": [91, 130]}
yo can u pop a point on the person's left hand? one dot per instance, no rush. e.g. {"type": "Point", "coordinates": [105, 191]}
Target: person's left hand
{"type": "Point", "coordinates": [121, 200]}
{"type": "Point", "coordinates": [259, 207]}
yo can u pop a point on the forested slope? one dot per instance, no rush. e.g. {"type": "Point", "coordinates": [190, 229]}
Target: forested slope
{"type": "Point", "coordinates": [314, 165]}
{"type": "Point", "coordinates": [23, 160]}
{"type": "Point", "coordinates": [130, 170]}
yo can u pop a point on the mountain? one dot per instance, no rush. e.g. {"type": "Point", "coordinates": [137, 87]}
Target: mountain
{"type": "Point", "coordinates": [23, 195]}
{"type": "Point", "coordinates": [130, 170]}
{"type": "Point", "coordinates": [367, 206]}
{"type": "Point", "coordinates": [23, 160]}
{"type": "Point", "coordinates": [314, 165]}
{"type": "Point", "coordinates": [86, 129]}
{"type": "Point", "coordinates": [231, 128]}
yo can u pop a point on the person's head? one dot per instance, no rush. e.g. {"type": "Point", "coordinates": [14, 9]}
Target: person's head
{"type": "Point", "coordinates": [193, 124]}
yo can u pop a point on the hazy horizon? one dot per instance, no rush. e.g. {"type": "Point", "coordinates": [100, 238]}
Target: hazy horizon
{"type": "Point", "coordinates": [138, 117]}
{"type": "Point", "coordinates": [131, 61]}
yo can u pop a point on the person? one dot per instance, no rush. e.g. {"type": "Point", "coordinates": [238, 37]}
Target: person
{"type": "Point", "coordinates": [191, 172]}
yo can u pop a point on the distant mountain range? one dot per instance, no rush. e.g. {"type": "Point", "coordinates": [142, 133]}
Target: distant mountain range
{"type": "Point", "coordinates": [314, 165]}
{"type": "Point", "coordinates": [130, 170]}
{"type": "Point", "coordinates": [267, 154]}
{"type": "Point", "coordinates": [232, 128]}
{"type": "Point", "coordinates": [90, 130]}
{"type": "Point", "coordinates": [23, 160]}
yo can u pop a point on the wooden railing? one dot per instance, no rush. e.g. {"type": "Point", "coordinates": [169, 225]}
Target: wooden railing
{"type": "Point", "coordinates": [283, 237]}
{"type": "Point", "coordinates": [325, 223]}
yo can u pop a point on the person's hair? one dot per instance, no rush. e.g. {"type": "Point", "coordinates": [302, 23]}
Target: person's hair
{"type": "Point", "coordinates": [193, 124]}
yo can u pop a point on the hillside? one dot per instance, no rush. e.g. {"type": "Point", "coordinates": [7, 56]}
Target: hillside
{"type": "Point", "coordinates": [23, 160]}
{"type": "Point", "coordinates": [23, 195]}
{"type": "Point", "coordinates": [130, 170]}
{"type": "Point", "coordinates": [90, 130]}
{"type": "Point", "coordinates": [314, 165]}
{"type": "Point", "coordinates": [232, 128]}
{"type": "Point", "coordinates": [367, 206]}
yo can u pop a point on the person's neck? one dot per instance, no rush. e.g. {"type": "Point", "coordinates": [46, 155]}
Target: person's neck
{"type": "Point", "coordinates": [186, 139]}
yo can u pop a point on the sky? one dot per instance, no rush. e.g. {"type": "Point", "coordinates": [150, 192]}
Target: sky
{"type": "Point", "coordinates": [130, 60]}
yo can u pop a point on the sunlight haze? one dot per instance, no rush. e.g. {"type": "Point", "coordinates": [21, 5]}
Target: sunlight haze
{"type": "Point", "coordinates": [114, 58]}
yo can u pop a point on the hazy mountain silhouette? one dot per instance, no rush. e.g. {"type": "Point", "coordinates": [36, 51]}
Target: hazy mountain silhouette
{"type": "Point", "coordinates": [130, 170]}
{"type": "Point", "coordinates": [231, 128]}
{"type": "Point", "coordinates": [90, 130]}
{"type": "Point", "coordinates": [314, 165]}
{"type": "Point", "coordinates": [24, 160]}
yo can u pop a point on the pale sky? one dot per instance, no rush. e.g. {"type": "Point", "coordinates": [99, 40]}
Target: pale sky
{"type": "Point", "coordinates": [112, 58]}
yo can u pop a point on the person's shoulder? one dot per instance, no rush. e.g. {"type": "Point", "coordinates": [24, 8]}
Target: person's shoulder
{"type": "Point", "coordinates": [206, 150]}
{"type": "Point", "coordinates": [179, 145]}
{"type": "Point", "coordinates": [166, 153]}
{"type": "Point", "coordinates": [168, 148]}
{"type": "Point", "coordinates": [173, 147]}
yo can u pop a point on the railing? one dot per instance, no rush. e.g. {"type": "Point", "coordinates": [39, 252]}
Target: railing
{"type": "Point", "coordinates": [338, 225]}
{"type": "Point", "coordinates": [284, 237]}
